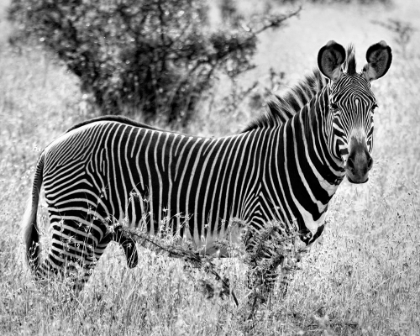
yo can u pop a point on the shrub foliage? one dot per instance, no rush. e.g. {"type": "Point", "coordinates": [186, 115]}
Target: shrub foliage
{"type": "Point", "coordinates": [156, 56]}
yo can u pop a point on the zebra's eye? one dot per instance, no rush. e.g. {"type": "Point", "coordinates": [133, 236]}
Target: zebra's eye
{"type": "Point", "coordinates": [334, 106]}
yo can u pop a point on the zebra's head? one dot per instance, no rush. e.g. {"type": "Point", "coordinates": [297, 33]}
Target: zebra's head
{"type": "Point", "coordinates": [351, 104]}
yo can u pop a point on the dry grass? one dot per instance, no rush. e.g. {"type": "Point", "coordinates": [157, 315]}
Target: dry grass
{"type": "Point", "coordinates": [363, 278]}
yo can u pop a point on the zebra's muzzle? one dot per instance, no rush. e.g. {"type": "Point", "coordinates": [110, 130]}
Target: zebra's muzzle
{"type": "Point", "coordinates": [359, 163]}
{"type": "Point", "coordinates": [356, 182]}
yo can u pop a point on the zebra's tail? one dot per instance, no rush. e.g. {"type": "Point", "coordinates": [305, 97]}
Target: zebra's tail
{"type": "Point", "coordinates": [29, 224]}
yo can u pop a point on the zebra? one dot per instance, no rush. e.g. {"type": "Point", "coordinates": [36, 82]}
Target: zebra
{"type": "Point", "coordinates": [285, 166]}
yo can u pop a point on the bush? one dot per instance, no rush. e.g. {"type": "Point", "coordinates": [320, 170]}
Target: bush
{"type": "Point", "coordinates": [152, 55]}
{"type": "Point", "coordinates": [361, 2]}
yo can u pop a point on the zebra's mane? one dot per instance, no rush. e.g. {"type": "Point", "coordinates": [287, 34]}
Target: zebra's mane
{"type": "Point", "coordinates": [350, 60]}
{"type": "Point", "coordinates": [282, 107]}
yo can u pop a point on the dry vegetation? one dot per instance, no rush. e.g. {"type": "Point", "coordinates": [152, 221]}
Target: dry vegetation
{"type": "Point", "coordinates": [363, 278]}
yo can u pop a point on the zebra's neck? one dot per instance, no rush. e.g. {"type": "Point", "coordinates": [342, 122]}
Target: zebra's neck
{"type": "Point", "coordinates": [302, 175]}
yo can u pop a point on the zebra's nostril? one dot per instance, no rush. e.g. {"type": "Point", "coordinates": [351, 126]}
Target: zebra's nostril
{"type": "Point", "coordinates": [370, 163]}
{"type": "Point", "coordinates": [350, 164]}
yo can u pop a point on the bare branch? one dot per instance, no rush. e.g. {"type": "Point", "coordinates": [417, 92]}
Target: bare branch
{"type": "Point", "coordinates": [175, 250]}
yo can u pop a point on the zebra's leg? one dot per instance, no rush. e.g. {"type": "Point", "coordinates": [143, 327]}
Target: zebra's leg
{"type": "Point", "coordinates": [270, 245]}
{"type": "Point", "coordinates": [92, 256]}
{"type": "Point", "coordinates": [74, 251]}
{"type": "Point", "coordinates": [263, 275]}
{"type": "Point", "coordinates": [128, 245]}
{"type": "Point", "coordinates": [264, 258]}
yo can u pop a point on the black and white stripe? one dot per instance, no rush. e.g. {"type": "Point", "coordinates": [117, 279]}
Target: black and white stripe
{"type": "Point", "coordinates": [285, 166]}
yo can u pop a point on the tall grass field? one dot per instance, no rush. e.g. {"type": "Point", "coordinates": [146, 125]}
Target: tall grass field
{"type": "Point", "coordinates": [361, 278]}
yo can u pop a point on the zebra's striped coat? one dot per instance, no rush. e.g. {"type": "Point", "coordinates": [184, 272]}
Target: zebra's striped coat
{"type": "Point", "coordinates": [285, 166]}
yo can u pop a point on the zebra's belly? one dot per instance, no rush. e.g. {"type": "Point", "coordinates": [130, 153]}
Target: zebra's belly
{"type": "Point", "coordinates": [220, 244]}
{"type": "Point", "coordinates": [203, 238]}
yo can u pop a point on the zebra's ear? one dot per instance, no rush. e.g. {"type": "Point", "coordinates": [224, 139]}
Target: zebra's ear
{"type": "Point", "coordinates": [330, 58]}
{"type": "Point", "coordinates": [379, 57]}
